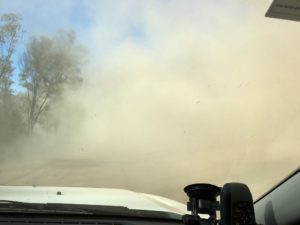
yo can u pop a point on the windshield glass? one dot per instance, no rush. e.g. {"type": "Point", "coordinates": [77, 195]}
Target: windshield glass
{"type": "Point", "coordinates": [146, 96]}
{"type": "Point", "coordinates": [282, 204]}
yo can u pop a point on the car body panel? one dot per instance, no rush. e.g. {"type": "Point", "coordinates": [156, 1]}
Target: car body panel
{"type": "Point", "coordinates": [91, 196]}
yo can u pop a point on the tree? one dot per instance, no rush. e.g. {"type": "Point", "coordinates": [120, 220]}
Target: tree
{"type": "Point", "coordinates": [10, 31]}
{"type": "Point", "coordinates": [49, 66]}
{"type": "Point", "coordinates": [10, 116]}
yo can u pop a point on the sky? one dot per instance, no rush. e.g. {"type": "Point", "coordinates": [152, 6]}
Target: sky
{"type": "Point", "coordinates": [68, 15]}
{"type": "Point", "coordinates": [174, 93]}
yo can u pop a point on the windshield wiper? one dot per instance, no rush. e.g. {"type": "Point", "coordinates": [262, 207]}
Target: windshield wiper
{"type": "Point", "coordinates": [10, 201]}
{"type": "Point", "coordinates": [59, 208]}
{"type": "Point", "coordinates": [25, 207]}
{"type": "Point", "coordinates": [102, 210]}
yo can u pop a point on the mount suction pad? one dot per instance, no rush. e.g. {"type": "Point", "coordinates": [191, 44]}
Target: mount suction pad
{"type": "Point", "coordinates": [202, 198]}
{"type": "Point", "coordinates": [203, 191]}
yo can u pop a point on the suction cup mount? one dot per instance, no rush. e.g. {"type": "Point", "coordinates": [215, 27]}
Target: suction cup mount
{"type": "Point", "coordinates": [202, 199]}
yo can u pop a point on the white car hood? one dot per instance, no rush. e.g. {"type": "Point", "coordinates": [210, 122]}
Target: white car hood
{"type": "Point", "coordinates": [91, 196]}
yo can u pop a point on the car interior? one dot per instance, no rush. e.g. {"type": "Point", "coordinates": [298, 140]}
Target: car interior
{"type": "Point", "coordinates": [279, 206]}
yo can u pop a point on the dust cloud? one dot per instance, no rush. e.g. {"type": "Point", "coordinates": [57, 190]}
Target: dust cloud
{"type": "Point", "coordinates": [174, 94]}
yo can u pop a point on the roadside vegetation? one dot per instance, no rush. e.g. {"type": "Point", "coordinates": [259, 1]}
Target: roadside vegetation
{"type": "Point", "coordinates": [34, 80]}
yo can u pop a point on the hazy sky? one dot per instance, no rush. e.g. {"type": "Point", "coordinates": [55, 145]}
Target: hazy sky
{"type": "Point", "coordinates": [175, 92]}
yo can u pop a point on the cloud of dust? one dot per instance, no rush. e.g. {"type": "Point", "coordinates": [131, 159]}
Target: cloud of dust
{"type": "Point", "coordinates": [174, 93]}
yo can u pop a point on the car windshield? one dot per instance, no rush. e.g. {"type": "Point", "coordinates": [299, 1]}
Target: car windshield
{"type": "Point", "coordinates": [145, 97]}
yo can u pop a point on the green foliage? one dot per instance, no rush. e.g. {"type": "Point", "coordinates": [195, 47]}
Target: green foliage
{"type": "Point", "coordinates": [10, 116]}
{"type": "Point", "coordinates": [10, 31]}
{"type": "Point", "coordinates": [49, 66]}
{"type": "Point", "coordinates": [11, 121]}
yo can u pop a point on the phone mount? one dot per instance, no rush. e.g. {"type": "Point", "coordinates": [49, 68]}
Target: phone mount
{"type": "Point", "coordinates": [202, 200]}
{"type": "Point", "coordinates": [236, 204]}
